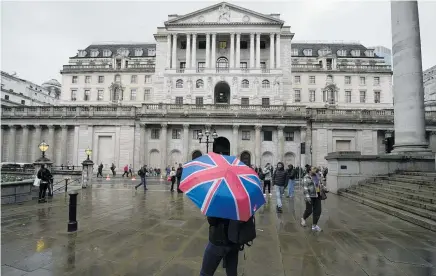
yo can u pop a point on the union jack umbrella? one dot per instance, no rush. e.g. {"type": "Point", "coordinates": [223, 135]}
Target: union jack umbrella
{"type": "Point", "coordinates": [222, 186]}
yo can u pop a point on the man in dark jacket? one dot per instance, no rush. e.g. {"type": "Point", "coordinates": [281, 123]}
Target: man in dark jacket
{"type": "Point", "coordinates": [142, 173]}
{"type": "Point", "coordinates": [45, 176]}
{"type": "Point", "coordinates": [219, 248]}
{"type": "Point", "coordinates": [292, 174]}
{"type": "Point", "coordinates": [179, 177]}
{"type": "Point", "coordinates": [280, 179]}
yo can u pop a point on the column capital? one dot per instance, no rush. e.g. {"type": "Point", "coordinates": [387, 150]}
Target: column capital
{"type": "Point", "coordinates": [25, 126]}
{"type": "Point", "coordinates": [208, 34]}
{"type": "Point", "coordinates": [194, 34]}
{"type": "Point", "coordinates": [11, 126]}
{"type": "Point", "coordinates": [64, 126]}
{"type": "Point", "coordinates": [252, 34]}
{"type": "Point", "coordinates": [272, 34]}
{"type": "Point", "coordinates": [208, 126]}
{"type": "Point", "coordinates": [258, 34]}
{"type": "Point", "coordinates": [238, 34]}
{"type": "Point", "coordinates": [50, 126]}
{"type": "Point", "coordinates": [174, 34]}
{"type": "Point", "coordinates": [232, 33]}
{"type": "Point", "coordinates": [164, 125]}
{"type": "Point", "coordinates": [258, 127]}
{"type": "Point", "coordinates": [235, 127]}
{"type": "Point", "coordinates": [278, 35]}
{"type": "Point", "coordinates": [213, 34]}
{"type": "Point", "coordinates": [280, 127]}
{"type": "Point", "coordinates": [188, 34]}
{"type": "Point", "coordinates": [144, 125]}
{"type": "Point", "coordinates": [185, 126]}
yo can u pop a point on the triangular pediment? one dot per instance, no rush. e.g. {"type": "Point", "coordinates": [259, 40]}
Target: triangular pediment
{"type": "Point", "coordinates": [224, 13]}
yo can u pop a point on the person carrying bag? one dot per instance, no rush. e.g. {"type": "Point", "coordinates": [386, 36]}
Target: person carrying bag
{"type": "Point", "coordinates": [44, 176]}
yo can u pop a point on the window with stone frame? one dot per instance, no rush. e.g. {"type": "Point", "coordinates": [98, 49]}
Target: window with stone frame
{"type": "Point", "coordinates": [222, 45]}
{"type": "Point", "coordinates": [347, 79]}
{"type": "Point", "coordinates": [265, 102]}
{"type": "Point", "coordinates": [355, 53]}
{"type": "Point", "coordinates": [155, 133]}
{"type": "Point", "coordinates": [179, 100]}
{"type": "Point", "coordinates": [363, 96]}
{"type": "Point", "coordinates": [312, 95]}
{"type": "Point", "coordinates": [179, 83]}
{"type": "Point", "coordinates": [289, 136]}
{"type": "Point", "coordinates": [376, 80]}
{"type": "Point", "coordinates": [199, 83]}
{"type": "Point", "coordinates": [243, 65]}
{"type": "Point", "coordinates": [297, 95]}
{"type": "Point", "coordinates": [107, 53]}
{"type": "Point", "coordinates": [117, 78]}
{"type": "Point", "coordinates": [6, 97]}
{"type": "Point", "coordinates": [73, 95]}
{"type": "Point", "coordinates": [262, 44]}
{"type": "Point", "coordinates": [244, 44]}
{"type": "Point", "coordinates": [147, 93]}
{"type": "Point", "coordinates": [87, 79]}
{"type": "Point", "coordinates": [199, 101]}
{"type": "Point", "coordinates": [312, 80]}
{"type": "Point", "coordinates": [297, 79]}
{"type": "Point", "coordinates": [265, 84]}
{"type": "Point", "coordinates": [183, 44]}
{"type": "Point", "coordinates": [23, 102]}
{"type": "Point", "coordinates": [362, 81]}
{"type": "Point", "coordinates": [267, 135]}
{"type": "Point", "coordinates": [262, 65]}
{"type": "Point", "coordinates": [245, 102]}
{"type": "Point", "coordinates": [151, 52]}
{"type": "Point", "coordinates": [133, 94]}
{"type": "Point", "coordinates": [245, 84]}
{"type": "Point", "coordinates": [134, 79]}
{"type": "Point", "coordinates": [202, 44]}
{"type": "Point", "coordinates": [176, 133]}
{"type": "Point", "coordinates": [195, 133]}
{"type": "Point", "coordinates": [100, 94]}
{"type": "Point", "coordinates": [147, 79]}
{"type": "Point", "coordinates": [87, 95]}
{"type": "Point", "coordinates": [100, 79]}
{"type": "Point", "coordinates": [294, 52]}
{"type": "Point", "coordinates": [246, 135]}
{"type": "Point", "coordinates": [329, 78]}
{"type": "Point", "coordinates": [307, 52]}
{"type": "Point", "coordinates": [348, 96]}
{"type": "Point", "coordinates": [74, 79]}
{"type": "Point", "coordinates": [377, 96]}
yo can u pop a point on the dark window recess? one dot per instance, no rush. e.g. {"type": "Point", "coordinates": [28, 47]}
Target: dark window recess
{"type": "Point", "coordinates": [343, 167]}
{"type": "Point", "coordinates": [202, 45]}
{"type": "Point", "coordinates": [182, 65]}
{"type": "Point", "coordinates": [182, 44]}
{"type": "Point", "coordinates": [267, 135]}
{"type": "Point", "coordinates": [244, 45]}
{"type": "Point", "coordinates": [262, 44]}
{"type": "Point", "coordinates": [155, 133]}
{"type": "Point", "coordinates": [303, 148]}
{"type": "Point", "coordinates": [6, 97]}
{"type": "Point", "coordinates": [23, 102]}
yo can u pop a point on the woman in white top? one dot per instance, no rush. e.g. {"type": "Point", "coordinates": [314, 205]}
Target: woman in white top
{"type": "Point", "coordinates": [173, 178]}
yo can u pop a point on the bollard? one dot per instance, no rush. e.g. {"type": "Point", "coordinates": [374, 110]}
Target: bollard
{"type": "Point", "coordinates": [66, 184]}
{"type": "Point", "coordinates": [72, 224]}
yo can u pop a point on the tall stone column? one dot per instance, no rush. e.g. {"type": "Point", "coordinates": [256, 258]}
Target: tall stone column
{"type": "Point", "coordinates": [278, 57]}
{"type": "Point", "coordinates": [188, 51]}
{"type": "Point", "coordinates": [271, 51]}
{"type": "Point", "coordinates": [257, 142]}
{"type": "Point", "coordinates": [12, 143]}
{"type": "Point", "coordinates": [50, 153]}
{"type": "Point", "coordinates": [137, 147]}
{"type": "Point", "coordinates": [308, 143]}
{"type": "Point", "coordinates": [409, 120]}
{"type": "Point", "coordinates": [303, 131]}
{"type": "Point", "coordinates": [174, 54]}
{"type": "Point", "coordinates": [238, 51]}
{"type": "Point", "coordinates": [25, 143]}
{"type": "Point", "coordinates": [144, 132]}
{"type": "Point", "coordinates": [168, 65]}
{"type": "Point", "coordinates": [36, 141]}
{"type": "Point", "coordinates": [207, 50]}
{"type": "Point", "coordinates": [185, 142]}
{"type": "Point", "coordinates": [194, 51]}
{"type": "Point", "coordinates": [163, 147]}
{"type": "Point", "coordinates": [64, 138]}
{"type": "Point", "coordinates": [281, 141]}
{"type": "Point", "coordinates": [258, 50]}
{"type": "Point", "coordinates": [232, 50]}
{"type": "Point", "coordinates": [213, 59]}
{"type": "Point", "coordinates": [142, 144]}
{"type": "Point", "coordinates": [235, 140]}
{"type": "Point", "coordinates": [252, 50]}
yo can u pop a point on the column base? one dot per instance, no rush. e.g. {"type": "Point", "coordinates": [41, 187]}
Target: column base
{"type": "Point", "coordinates": [415, 150]}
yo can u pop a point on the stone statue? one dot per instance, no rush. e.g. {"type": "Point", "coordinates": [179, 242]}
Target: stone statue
{"type": "Point", "coordinates": [169, 86]}
{"type": "Point", "coordinates": [224, 13]}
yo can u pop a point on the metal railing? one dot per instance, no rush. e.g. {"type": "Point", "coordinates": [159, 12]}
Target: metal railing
{"type": "Point", "coordinates": [63, 185]}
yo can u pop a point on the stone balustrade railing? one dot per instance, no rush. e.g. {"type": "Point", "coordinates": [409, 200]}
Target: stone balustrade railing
{"type": "Point", "coordinates": [342, 67]}
{"type": "Point", "coordinates": [192, 110]}
{"type": "Point", "coordinates": [149, 68]}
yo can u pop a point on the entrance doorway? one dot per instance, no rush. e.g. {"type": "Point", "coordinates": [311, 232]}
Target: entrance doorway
{"type": "Point", "coordinates": [246, 158]}
{"type": "Point", "coordinates": [196, 154]}
{"type": "Point", "coordinates": [222, 93]}
{"type": "Point", "coordinates": [221, 145]}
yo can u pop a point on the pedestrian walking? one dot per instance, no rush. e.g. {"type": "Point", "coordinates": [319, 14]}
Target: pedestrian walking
{"type": "Point", "coordinates": [173, 178]}
{"type": "Point", "coordinates": [126, 171]}
{"type": "Point", "coordinates": [113, 169]}
{"type": "Point", "coordinates": [179, 177]}
{"type": "Point", "coordinates": [130, 171]}
{"type": "Point", "coordinates": [280, 177]}
{"type": "Point", "coordinates": [142, 174]}
{"type": "Point", "coordinates": [292, 174]}
{"type": "Point", "coordinates": [267, 175]}
{"type": "Point", "coordinates": [312, 187]}
{"type": "Point", "coordinates": [100, 170]}
{"type": "Point", "coordinates": [45, 175]}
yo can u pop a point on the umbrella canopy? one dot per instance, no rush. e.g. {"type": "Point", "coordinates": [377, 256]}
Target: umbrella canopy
{"type": "Point", "coordinates": [222, 186]}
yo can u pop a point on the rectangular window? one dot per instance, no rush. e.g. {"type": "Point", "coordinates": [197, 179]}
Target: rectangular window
{"type": "Point", "coordinates": [362, 80]}
{"type": "Point", "coordinates": [347, 79]}
{"type": "Point", "coordinates": [201, 66]}
{"type": "Point", "coordinates": [289, 136]}
{"type": "Point", "coordinates": [244, 44]}
{"type": "Point", "coordinates": [199, 101]}
{"type": "Point", "coordinates": [311, 95]}
{"type": "Point", "coordinates": [348, 96]}
{"type": "Point", "coordinates": [329, 78]}
{"type": "Point", "coordinates": [262, 44]}
{"type": "Point", "coordinates": [133, 94]}
{"type": "Point", "coordinates": [117, 78]}
{"type": "Point", "coordinates": [222, 45]}
{"type": "Point", "coordinates": [87, 79]}
{"type": "Point", "coordinates": [6, 97]}
{"type": "Point", "coordinates": [100, 94]}
{"type": "Point", "coordinates": [246, 135]}
{"type": "Point", "coordinates": [182, 44]}
{"type": "Point", "coordinates": [100, 79]}
{"type": "Point", "coordinates": [147, 79]}
{"type": "Point", "coordinates": [362, 96]}
{"type": "Point", "coordinates": [262, 65]}
{"type": "Point", "coordinates": [297, 79]}
{"type": "Point", "coordinates": [376, 80]}
{"type": "Point", "coordinates": [297, 95]}
{"type": "Point", "coordinates": [312, 80]}
{"type": "Point", "coordinates": [245, 102]}
{"type": "Point", "coordinates": [23, 102]}
{"type": "Point", "coordinates": [176, 133]}
{"type": "Point", "coordinates": [73, 95]}
{"type": "Point", "coordinates": [74, 79]}
{"type": "Point", "coordinates": [147, 93]}
{"type": "Point", "coordinates": [179, 100]}
{"type": "Point", "coordinates": [202, 44]}
{"type": "Point", "coordinates": [267, 135]}
{"type": "Point", "coordinates": [87, 95]}
{"type": "Point", "coordinates": [155, 133]}
{"type": "Point", "coordinates": [376, 96]}
{"type": "Point", "coordinates": [134, 79]}
{"type": "Point", "coordinates": [243, 65]}
{"type": "Point", "coordinates": [265, 102]}
{"type": "Point", "coordinates": [195, 133]}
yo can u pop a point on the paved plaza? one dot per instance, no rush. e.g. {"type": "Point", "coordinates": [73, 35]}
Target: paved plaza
{"type": "Point", "coordinates": [127, 232]}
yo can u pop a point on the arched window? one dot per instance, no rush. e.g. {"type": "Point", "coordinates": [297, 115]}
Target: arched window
{"type": "Point", "coordinates": [199, 84]}
{"type": "Point", "coordinates": [265, 84]}
{"type": "Point", "coordinates": [245, 84]}
{"type": "Point", "coordinates": [222, 63]}
{"type": "Point", "coordinates": [329, 78]}
{"type": "Point", "coordinates": [179, 83]}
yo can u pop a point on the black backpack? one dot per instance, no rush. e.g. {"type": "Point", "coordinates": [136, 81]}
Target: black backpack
{"type": "Point", "coordinates": [242, 232]}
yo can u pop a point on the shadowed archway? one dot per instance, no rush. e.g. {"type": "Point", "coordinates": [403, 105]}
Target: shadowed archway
{"type": "Point", "coordinates": [196, 154]}
{"type": "Point", "coordinates": [246, 158]}
{"type": "Point", "coordinates": [222, 93]}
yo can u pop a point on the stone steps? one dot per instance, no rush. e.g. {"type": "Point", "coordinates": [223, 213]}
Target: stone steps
{"type": "Point", "coordinates": [407, 195]}
{"type": "Point", "coordinates": [407, 216]}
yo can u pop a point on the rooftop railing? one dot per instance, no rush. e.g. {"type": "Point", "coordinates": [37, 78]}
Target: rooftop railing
{"type": "Point", "coordinates": [107, 68]}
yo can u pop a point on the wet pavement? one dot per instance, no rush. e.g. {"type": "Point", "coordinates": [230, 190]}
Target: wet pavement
{"type": "Point", "coordinates": [127, 232]}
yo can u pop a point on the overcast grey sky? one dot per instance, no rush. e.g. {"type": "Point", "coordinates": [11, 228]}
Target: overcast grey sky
{"type": "Point", "coordinates": [38, 37]}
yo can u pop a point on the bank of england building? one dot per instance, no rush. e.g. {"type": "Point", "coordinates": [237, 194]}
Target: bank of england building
{"type": "Point", "coordinates": [233, 72]}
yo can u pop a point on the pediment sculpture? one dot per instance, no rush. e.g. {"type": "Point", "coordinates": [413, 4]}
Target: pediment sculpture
{"type": "Point", "coordinates": [224, 13]}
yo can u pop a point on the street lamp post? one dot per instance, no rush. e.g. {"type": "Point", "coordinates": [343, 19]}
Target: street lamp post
{"type": "Point", "coordinates": [87, 170]}
{"type": "Point", "coordinates": [43, 147]}
{"type": "Point", "coordinates": [88, 152]}
{"type": "Point", "coordinates": [207, 134]}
